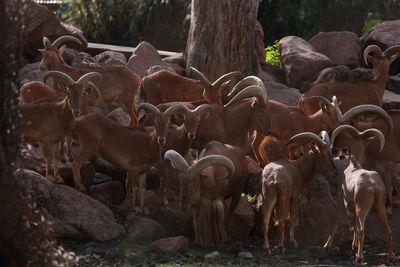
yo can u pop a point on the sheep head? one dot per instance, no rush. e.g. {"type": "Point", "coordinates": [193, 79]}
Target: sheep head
{"type": "Point", "coordinates": [75, 90]}
{"type": "Point", "coordinates": [190, 176]}
{"type": "Point", "coordinates": [331, 114]}
{"type": "Point", "coordinates": [52, 52]}
{"type": "Point", "coordinates": [380, 60]}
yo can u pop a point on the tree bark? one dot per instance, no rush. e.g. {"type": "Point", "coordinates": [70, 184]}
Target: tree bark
{"type": "Point", "coordinates": [221, 37]}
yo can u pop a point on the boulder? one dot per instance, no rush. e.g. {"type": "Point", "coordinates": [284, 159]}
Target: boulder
{"type": "Point", "coordinates": [109, 193]}
{"type": "Point", "coordinates": [282, 93]}
{"type": "Point", "coordinates": [74, 58]}
{"type": "Point", "coordinates": [374, 229]}
{"type": "Point", "coordinates": [72, 213]}
{"type": "Point", "coordinates": [271, 73]}
{"type": "Point", "coordinates": [39, 22]}
{"type": "Point", "coordinates": [111, 58]}
{"type": "Point", "coordinates": [174, 219]}
{"type": "Point", "coordinates": [30, 73]}
{"type": "Point", "coordinates": [259, 45]}
{"type": "Point", "coordinates": [394, 83]}
{"type": "Point", "coordinates": [100, 178]}
{"type": "Point", "coordinates": [343, 48]}
{"type": "Point", "coordinates": [391, 100]}
{"type": "Point", "coordinates": [143, 229]}
{"type": "Point", "coordinates": [242, 220]}
{"type": "Point", "coordinates": [253, 183]}
{"type": "Point", "coordinates": [175, 59]}
{"type": "Point", "coordinates": [360, 73]}
{"type": "Point", "coordinates": [385, 35]}
{"type": "Point", "coordinates": [170, 245]}
{"type": "Point", "coordinates": [151, 202]}
{"type": "Point", "coordinates": [157, 68]}
{"type": "Point", "coordinates": [105, 167]}
{"type": "Point", "coordinates": [143, 57]}
{"type": "Point", "coordinates": [300, 60]}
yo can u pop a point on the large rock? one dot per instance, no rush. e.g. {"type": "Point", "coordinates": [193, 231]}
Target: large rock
{"type": "Point", "coordinates": [282, 93]}
{"type": "Point", "coordinates": [39, 22]}
{"type": "Point", "coordinates": [72, 214]}
{"type": "Point", "coordinates": [109, 193]}
{"type": "Point", "coordinates": [242, 220]}
{"type": "Point", "coordinates": [300, 60]}
{"type": "Point", "coordinates": [174, 219]}
{"type": "Point", "coordinates": [143, 57]}
{"type": "Point", "coordinates": [343, 48]}
{"type": "Point", "coordinates": [385, 35]}
{"type": "Point", "coordinates": [111, 58]}
{"type": "Point", "coordinates": [391, 100]}
{"type": "Point", "coordinates": [170, 245]}
{"type": "Point", "coordinates": [74, 58]}
{"type": "Point", "coordinates": [151, 202]}
{"type": "Point", "coordinates": [143, 229]}
{"type": "Point", "coordinates": [394, 83]}
{"type": "Point", "coordinates": [30, 73]}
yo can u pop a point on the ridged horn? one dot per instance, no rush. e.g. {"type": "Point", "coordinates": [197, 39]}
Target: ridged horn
{"type": "Point", "coordinates": [60, 75]}
{"type": "Point", "coordinates": [374, 49]}
{"type": "Point", "coordinates": [246, 82]}
{"type": "Point", "coordinates": [63, 39]}
{"type": "Point", "coordinates": [391, 51]}
{"type": "Point", "coordinates": [344, 129]}
{"type": "Point", "coordinates": [211, 160]}
{"type": "Point", "coordinates": [88, 77]}
{"type": "Point", "coordinates": [368, 108]}
{"type": "Point", "coordinates": [224, 78]}
{"type": "Point", "coordinates": [176, 160]}
{"type": "Point", "coordinates": [200, 109]}
{"type": "Point", "coordinates": [149, 108]}
{"type": "Point", "coordinates": [304, 138]}
{"type": "Point", "coordinates": [92, 87]}
{"type": "Point", "coordinates": [375, 133]}
{"type": "Point", "coordinates": [251, 91]}
{"type": "Point", "coordinates": [203, 79]}
{"type": "Point", "coordinates": [175, 107]}
{"type": "Point", "coordinates": [321, 99]}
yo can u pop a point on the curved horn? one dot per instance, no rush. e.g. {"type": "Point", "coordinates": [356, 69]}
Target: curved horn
{"type": "Point", "coordinates": [63, 39]}
{"type": "Point", "coordinates": [375, 133]}
{"type": "Point", "coordinates": [246, 82]}
{"type": "Point", "coordinates": [305, 137]}
{"type": "Point", "coordinates": [251, 91]}
{"type": "Point", "coordinates": [46, 42]}
{"type": "Point", "coordinates": [92, 87]}
{"type": "Point", "coordinates": [206, 83]}
{"type": "Point", "coordinates": [175, 107]}
{"type": "Point", "coordinates": [391, 51]}
{"type": "Point", "coordinates": [210, 160]}
{"type": "Point", "coordinates": [322, 99]}
{"type": "Point", "coordinates": [374, 49]}
{"type": "Point", "coordinates": [60, 75]}
{"type": "Point", "coordinates": [176, 160]}
{"type": "Point", "coordinates": [202, 108]}
{"type": "Point", "coordinates": [342, 129]}
{"type": "Point", "coordinates": [226, 77]}
{"type": "Point", "coordinates": [88, 77]}
{"type": "Point", "coordinates": [149, 108]}
{"type": "Point", "coordinates": [358, 110]}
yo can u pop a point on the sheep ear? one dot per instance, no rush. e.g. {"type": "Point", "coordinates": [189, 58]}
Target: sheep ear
{"type": "Point", "coordinates": [42, 51]}
{"type": "Point", "coordinates": [332, 76]}
{"type": "Point", "coordinates": [393, 58]}
{"type": "Point", "coordinates": [370, 59]}
{"type": "Point", "coordinates": [203, 176]}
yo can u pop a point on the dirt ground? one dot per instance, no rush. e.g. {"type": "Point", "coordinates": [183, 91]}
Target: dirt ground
{"type": "Point", "coordinates": [122, 252]}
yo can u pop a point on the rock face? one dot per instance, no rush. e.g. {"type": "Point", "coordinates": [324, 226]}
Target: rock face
{"type": "Point", "coordinates": [73, 214]}
{"type": "Point", "coordinates": [143, 57]}
{"type": "Point", "coordinates": [242, 220]}
{"type": "Point", "coordinates": [170, 245]}
{"type": "Point", "coordinates": [111, 58]}
{"type": "Point", "coordinates": [259, 45]}
{"type": "Point", "coordinates": [30, 73]}
{"type": "Point", "coordinates": [343, 48]}
{"type": "Point", "coordinates": [39, 22]}
{"type": "Point", "coordinates": [73, 58]}
{"type": "Point", "coordinates": [282, 93]}
{"type": "Point", "coordinates": [143, 229]}
{"type": "Point", "coordinates": [109, 193]}
{"type": "Point", "coordinates": [300, 60]}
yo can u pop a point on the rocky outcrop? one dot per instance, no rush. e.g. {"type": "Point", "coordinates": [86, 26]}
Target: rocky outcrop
{"type": "Point", "coordinates": [71, 213]}
{"type": "Point", "coordinates": [170, 245]}
{"type": "Point", "coordinates": [300, 60]}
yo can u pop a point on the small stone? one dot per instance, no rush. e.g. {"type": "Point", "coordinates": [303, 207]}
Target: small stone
{"type": "Point", "coordinates": [213, 255]}
{"type": "Point", "coordinates": [170, 245]}
{"type": "Point", "coordinates": [245, 255]}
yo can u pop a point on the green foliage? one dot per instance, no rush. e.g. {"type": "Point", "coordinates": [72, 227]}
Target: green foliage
{"type": "Point", "coordinates": [369, 25]}
{"type": "Point", "coordinates": [251, 199]}
{"type": "Point", "coordinates": [272, 54]}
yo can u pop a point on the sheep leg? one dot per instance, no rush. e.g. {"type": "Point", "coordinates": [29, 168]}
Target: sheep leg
{"type": "Point", "coordinates": [282, 235]}
{"type": "Point", "coordinates": [363, 202]}
{"type": "Point", "coordinates": [85, 155]}
{"type": "Point", "coordinates": [269, 201]}
{"type": "Point", "coordinates": [354, 244]}
{"type": "Point", "coordinates": [55, 152]}
{"type": "Point", "coordinates": [383, 219]}
{"type": "Point", "coordinates": [257, 150]}
{"type": "Point", "coordinates": [235, 201]}
{"type": "Point", "coordinates": [340, 213]}
{"type": "Point", "coordinates": [294, 221]}
{"type": "Point", "coordinates": [69, 148]}
{"type": "Point", "coordinates": [142, 192]}
{"type": "Point", "coordinates": [46, 150]}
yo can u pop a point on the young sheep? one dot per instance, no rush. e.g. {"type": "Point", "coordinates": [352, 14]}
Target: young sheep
{"type": "Point", "coordinates": [220, 173]}
{"type": "Point", "coordinates": [283, 181]}
{"type": "Point", "coordinates": [50, 122]}
{"type": "Point", "coordinates": [360, 190]}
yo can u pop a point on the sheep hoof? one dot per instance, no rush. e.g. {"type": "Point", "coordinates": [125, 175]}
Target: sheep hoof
{"type": "Point", "coordinates": [360, 261]}
{"type": "Point", "coordinates": [267, 252]}
{"type": "Point", "coordinates": [391, 257]}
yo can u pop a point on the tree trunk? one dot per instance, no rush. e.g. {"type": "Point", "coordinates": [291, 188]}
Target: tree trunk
{"type": "Point", "coordinates": [221, 37]}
